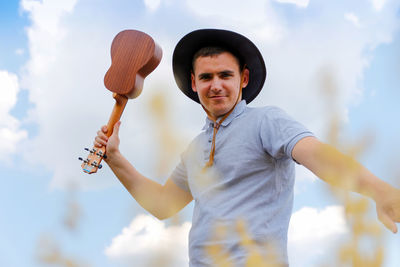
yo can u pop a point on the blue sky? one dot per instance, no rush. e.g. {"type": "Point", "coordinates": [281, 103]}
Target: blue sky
{"type": "Point", "coordinates": [54, 54]}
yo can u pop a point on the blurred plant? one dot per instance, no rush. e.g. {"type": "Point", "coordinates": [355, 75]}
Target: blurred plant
{"type": "Point", "coordinates": [73, 214]}
{"type": "Point", "coordinates": [363, 230]}
{"type": "Point", "coordinates": [49, 253]}
{"type": "Point", "coordinates": [169, 140]}
{"type": "Point", "coordinates": [258, 255]}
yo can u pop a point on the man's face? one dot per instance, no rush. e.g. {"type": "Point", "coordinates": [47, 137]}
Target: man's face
{"type": "Point", "coordinates": [216, 79]}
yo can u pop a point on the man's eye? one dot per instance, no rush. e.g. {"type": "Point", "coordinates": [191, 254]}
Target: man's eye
{"type": "Point", "coordinates": [225, 75]}
{"type": "Point", "coordinates": [205, 77]}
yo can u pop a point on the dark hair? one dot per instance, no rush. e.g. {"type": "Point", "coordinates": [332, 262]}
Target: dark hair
{"type": "Point", "coordinates": [209, 51]}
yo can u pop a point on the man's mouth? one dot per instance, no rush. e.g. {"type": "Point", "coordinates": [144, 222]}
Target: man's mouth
{"type": "Point", "coordinates": [217, 96]}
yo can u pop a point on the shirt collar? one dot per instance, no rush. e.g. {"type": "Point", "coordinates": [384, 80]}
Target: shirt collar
{"type": "Point", "coordinates": [239, 108]}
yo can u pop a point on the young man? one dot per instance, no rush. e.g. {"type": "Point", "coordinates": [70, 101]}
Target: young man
{"type": "Point", "coordinates": [241, 167]}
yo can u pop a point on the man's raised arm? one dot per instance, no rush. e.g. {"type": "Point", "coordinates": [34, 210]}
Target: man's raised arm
{"type": "Point", "coordinates": [345, 172]}
{"type": "Point", "coordinates": [163, 201]}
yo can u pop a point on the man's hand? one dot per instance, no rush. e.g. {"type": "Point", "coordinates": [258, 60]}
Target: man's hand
{"type": "Point", "coordinates": [111, 143]}
{"type": "Point", "coordinates": [388, 208]}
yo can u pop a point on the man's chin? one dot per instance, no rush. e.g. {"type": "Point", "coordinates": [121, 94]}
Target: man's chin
{"type": "Point", "coordinates": [219, 113]}
{"type": "Point", "coordinates": [217, 110]}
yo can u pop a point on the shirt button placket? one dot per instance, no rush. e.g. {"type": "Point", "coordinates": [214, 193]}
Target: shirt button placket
{"type": "Point", "coordinates": [207, 147]}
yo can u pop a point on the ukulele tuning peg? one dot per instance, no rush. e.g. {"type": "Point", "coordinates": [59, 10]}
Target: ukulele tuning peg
{"type": "Point", "coordinates": [92, 151]}
{"type": "Point", "coordinates": [84, 160]}
{"type": "Point", "coordinates": [96, 165]}
{"type": "Point", "coordinates": [100, 154]}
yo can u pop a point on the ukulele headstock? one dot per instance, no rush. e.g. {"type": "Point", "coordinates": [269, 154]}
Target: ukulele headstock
{"type": "Point", "coordinates": [92, 163]}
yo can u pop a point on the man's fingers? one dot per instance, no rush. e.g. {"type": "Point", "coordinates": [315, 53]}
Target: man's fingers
{"type": "Point", "coordinates": [102, 135]}
{"type": "Point", "coordinates": [99, 142]}
{"type": "Point", "coordinates": [388, 222]}
{"type": "Point", "coordinates": [101, 138]}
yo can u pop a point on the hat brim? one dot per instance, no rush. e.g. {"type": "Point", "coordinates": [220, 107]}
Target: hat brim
{"type": "Point", "coordinates": [234, 42]}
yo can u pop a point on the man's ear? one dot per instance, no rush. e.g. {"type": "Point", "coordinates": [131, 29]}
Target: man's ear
{"type": "Point", "coordinates": [246, 77]}
{"type": "Point", "coordinates": [193, 82]}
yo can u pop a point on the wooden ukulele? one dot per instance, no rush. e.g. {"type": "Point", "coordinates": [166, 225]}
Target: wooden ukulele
{"type": "Point", "coordinates": [134, 55]}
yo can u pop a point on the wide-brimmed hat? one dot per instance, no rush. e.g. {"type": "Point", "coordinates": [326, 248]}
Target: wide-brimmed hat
{"type": "Point", "coordinates": [236, 43]}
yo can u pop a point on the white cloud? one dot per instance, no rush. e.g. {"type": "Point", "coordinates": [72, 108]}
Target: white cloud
{"type": "Point", "coordinates": [46, 30]}
{"type": "Point", "coordinates": [148, 240]}
{"type": "Point", "coordinates": [45, 16]}
{"type": "Point", "coordinates": [152, 5]}
{"type": "Point", "coordinates": [57, 80]}
{"type": "Point", "coordinates": [230, 10]}
{"type": "Point", "coordinates": [309, 232]}
{"type": "Point", "coordinates": [258, 20]}
{"type": "Point", "coordinates": [353, 19]}
{"type": "Point", "coordinates": [299, 3]}
{"type": "Point", "coordinates": [9, 89]}
{"type": "Point", "coordinates": [10, 133]}
{"type": "Point", "coordinates": [19, 51]}
{"type": "Point", "coordinates": [378, 4]}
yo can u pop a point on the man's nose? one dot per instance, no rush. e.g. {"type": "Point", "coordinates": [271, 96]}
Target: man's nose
{"type": "Point", "coordinates": [216, 84]}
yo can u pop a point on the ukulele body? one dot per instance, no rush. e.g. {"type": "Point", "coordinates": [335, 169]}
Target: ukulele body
{"type": "Point", "coordinates": [134, 55]}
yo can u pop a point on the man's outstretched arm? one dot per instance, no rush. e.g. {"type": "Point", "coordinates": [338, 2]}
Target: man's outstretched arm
{"type": "Point", "coordinates": [163, 201]}
{"type": "Point", "coordinates": [343, 171]}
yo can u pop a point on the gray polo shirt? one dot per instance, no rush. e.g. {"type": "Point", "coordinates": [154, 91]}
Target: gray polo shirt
{"type": "Point", "coordinates": [251, 181]}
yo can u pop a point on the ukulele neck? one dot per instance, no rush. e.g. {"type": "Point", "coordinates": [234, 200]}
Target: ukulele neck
{"type": "Point", "coordinates": [119, 106]}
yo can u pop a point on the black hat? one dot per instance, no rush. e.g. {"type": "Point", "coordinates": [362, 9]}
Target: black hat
{"type": "Point", "coordinates": [236, 43]}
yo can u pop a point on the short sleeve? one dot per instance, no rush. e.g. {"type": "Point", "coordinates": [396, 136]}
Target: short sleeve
{"type": "Point", "coordinates": [280, 133]}
{"type": "Point", "coordinates": [179, 176]}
